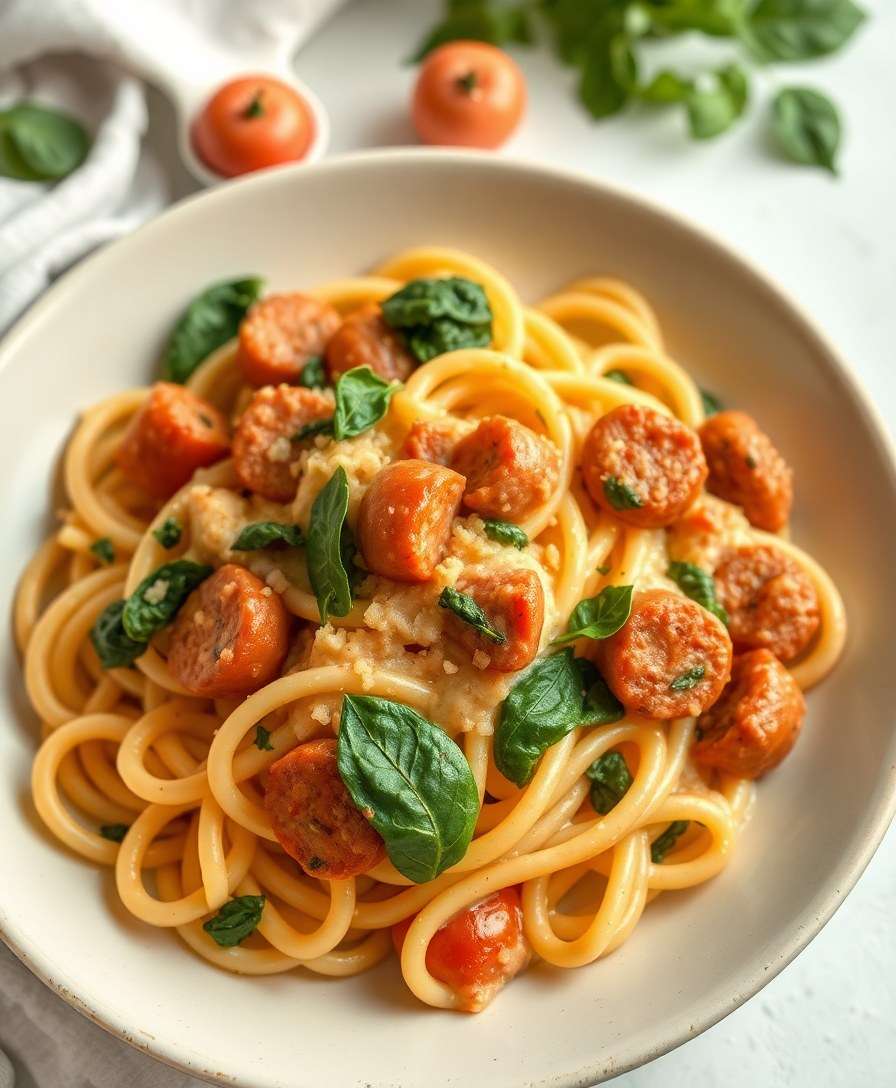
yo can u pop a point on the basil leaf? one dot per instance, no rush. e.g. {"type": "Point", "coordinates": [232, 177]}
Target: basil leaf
{"type": "Point", "coordinates": [412, 781]}
{"type": "Point", "coordinates": [618, 376]}
{"type": "Point", "coordinates": [113, 645]}
{"type": "Point", "coordinates": [505, 532]}
{"type": "Point", "coordinates": [466, 609]}
{"type": "Point", "coordinates": [236, 920]}
{"type": "Point", "coordinates": [662, 845]}
{"type": "Point", "coordinates": [609, 75]}
{"type": "Point", "coordinates": [604, 568]}
{"type": "Point", "coordinates": [497, 24]}
{"type": "Point", "coordinates": [788, 30]}
{"type": "Point", "coordinates": [620, 495]}
{"type": "Point", "coordinates": [362, 399]}
{"type": "Point", "coordinates": [313, 375]}
{"type": "Point", "coordinates": [599, 705]}
{"type": "Point", "coordinates": [263, 739]}
{"type": "Point", "coordinates": [264, 534]}
{"type": "Point", "coordinates": [712, 112]}
{"type": "Point", "coordinates": [689, 679]}
{"type": "Point", "coordinates": [711, 403]}
{"type": "Point", "coordinates": [103, 550]}
{"type": "Point", "coordinates": [40, 144]}
{"type": "Point", "coordinates": [666, 87]}
{"type": "Point", "coordinates": [699, 585]}
{"type": "Point", "coordinates": [157, 599]}
{"type": "Point", "coordinates": [114, 832]}
{"type": "Point", "coordinates": [610, 781]}
{"type": "Point", "coordinates": [168, 533]}
{"type": "Point", "coordinates": [210, 320]}
{"type": "Point", "coordinates": [807, 127]}
{"type": "Point", "coordinates": [600, 616]}
{"type": "Point", "coordinates": [541, 708]}
{"type": "Point", "coordinates": [439, 315]}
{"type": "Point", "coordinates": [328, 548]}
{"type": "Point", "coordinates": [718, 18]}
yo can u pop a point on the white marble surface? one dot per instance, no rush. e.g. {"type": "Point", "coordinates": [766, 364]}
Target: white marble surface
{"type": "Point", "coordinates": [828, 1019]}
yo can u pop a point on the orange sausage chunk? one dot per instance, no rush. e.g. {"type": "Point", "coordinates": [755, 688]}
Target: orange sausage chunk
{"type": "Point", "coordinates": [313, 815]}
{"type": "Point", "coordinates": [770, 600]}
{"type": "Point", "coordinates": [405, 519]}
{"type": "Point", "coordinates": [756, 721]}
{"type": "Point", "coordinates": [230, 637]}
{"type": "Point", "coordinates": [510, 470]}
{"type": "Point", "coordinates": [671, 659]}
{"type": "Point", "coordinates": [746, 469]}
{"type": "Point", "coordinates": [432, 440]}
{"type": "Point", "coordinates": [513, 600]}
{"type": "Point", "coordinates": [478, 951]}
{"type": "Point", "coordinates": [264, 445]}
{"type": "Point", "coordinates": [364, 339]}
{"type": "Point", "coordinates": [280, 334]}
{"type": "Point", "coordinates": [174, 433]}
{"type": "Point", "coordinates": [642, 466]}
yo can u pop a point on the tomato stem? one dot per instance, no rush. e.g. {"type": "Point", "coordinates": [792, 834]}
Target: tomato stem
{"type": "Point", "coordinates": [255, 108]}
{"type": "Point", "coordinates": [467, 83]}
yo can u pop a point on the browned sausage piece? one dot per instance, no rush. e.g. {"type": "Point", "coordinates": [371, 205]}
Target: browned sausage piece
{"type": "Point", "coordinates": [642, 466]}
{"type": "Point", "coordinates": [174, 433]}
{"type": "Point", "coordinates": [364, 339]}
{"type": "Point", "coordinates": [513, 600]}
{"type": "Point", "coordinates": [314, 817]}
{"type": "Point", "coordinates": [405, 519]}
{"type": "Point", "coordinates": [280, 334]}
{"type": "Point", "coordinates": [756, 721]}
{"type": "Point", "coordinates": [264, 444]}
{"type": "Point", "coordinates": [671, 659]}
{"type": "Point", "coordinates": [746, 469]}
{"type": "Point", "coordinates": [230, 637]}
{"type": "Point", "coordinates": [432, 440]}
{"type": "Point", "coordinates": [770, 600]}
{"type": "Point", "coordinates": [510, 470]}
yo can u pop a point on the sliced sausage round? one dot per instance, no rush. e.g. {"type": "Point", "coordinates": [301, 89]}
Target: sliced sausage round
{"type": "Point", "coordinates": [173, 433]}
{"type": "Point", "coordinates": [280, 334]}
{"type": "Point", "coordinates": [671, 659]}
{"type": "Point", "coordinates": [265, 443]}
{"type": "Point", "coordinates": [756, 721]}
{"type": "Point", "coordinates": [478, 951]}
{"type": "Point", "coordinates": [513, 601]}
{"type": "Point", "coordinates": [433, 440]}
{"type": "Point", "coordinates": [314, 817]}
{"type": "Point", "coordinates": [746, 469]}
{"type": "Point", "coordinates": [510, 470]}
{"type": "Point", "coordinates": [770, 600]}
{"type": "Point", "coordinates": [364, 339]}
{"type": "Point", "coordinates": [405, 519]}
{"type": "Point", "coordinates": [230, 637]}
{"type": "Point", "coordinates": [644, 467]}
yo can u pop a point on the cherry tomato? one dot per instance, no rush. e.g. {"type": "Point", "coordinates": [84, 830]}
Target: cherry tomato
{"type": "Point", "coordinates": [469, 94]}
{"type": "Point", "coordinates": [251, 123]}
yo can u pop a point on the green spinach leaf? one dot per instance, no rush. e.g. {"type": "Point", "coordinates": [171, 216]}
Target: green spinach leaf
{"type": "Point", "coordinates": [329, 547]}
{"type": "Point", "coordinates": [266, 534]}
{"type": "Point", "coordinates": [235, 920]}
{"type": "Point", "coordinates": [168, 533]}
{"type": "Point", "coordinates": [210, 320]}
{"type": "Point", "coordinates": [313, 374]}
{"type": "Point", "coordinates": [807, 127]}
{"type": "Point", "coordinates": [600, 616]}
{"type": "Point", "coordinates": [104, 550]}
{"type": "Point", "coordinates": [439, 315]}
{"type": "Point", "coordinates": [610, 780]}
{"type": "Point", "coordinates": [506, 533]}
{"type": "Point", "coordinates": [699, 585]}
{"type": "Point", "coordinates": [599, 705]}
{"type": "Point", "coordinates": [465, 608]}
{"type": "Point", "coordinates": [40, 144]}
{"type": "Point", "coordinates": [362, 399]}
{"type": "Point", "coordinates": [412, 780]}
{"type": "Point", "coordinates": [157, 599]}
{"type": "Point", "coordinates": [114, 647]}
{"type": "Point", "coordinates": [662, 845]}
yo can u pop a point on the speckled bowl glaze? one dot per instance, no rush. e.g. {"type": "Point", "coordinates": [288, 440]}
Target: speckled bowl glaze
{"type": "Point", "coordinates": [696, 955]}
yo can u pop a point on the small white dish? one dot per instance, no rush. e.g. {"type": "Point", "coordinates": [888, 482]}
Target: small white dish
{"type": "Point", "coordinates": [695, 955]}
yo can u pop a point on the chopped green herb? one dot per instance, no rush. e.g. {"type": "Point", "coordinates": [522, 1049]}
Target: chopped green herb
{"type": "Point", "coordinates": [267, 534]}
{"type": "Point", "coordinates": [114, 832]}
{"type": "Point", "coordinates": [236, 920]}
{"type": "Point", "coordinates": [599, 617]}
{"type": "Point", "coordinates": [313, 374]}
{"type": "Point", "coordinates": [316, 863]}
{"type": "Point", "coordinates": [689, 679]}
{"type": "Point", "coordinates": [439, 315]}
{"type": "Point", "coordinates": [610, 780]}
{"type": "Point", "coordinates": [751, 462]}
{"type": "Point", "coordinates": [466, 609]}
{"type": "Point", "coordinates": [263, 739]}
{"type": "Point", "coordinates": [604, 568]}
{"type": "Point", "coordinates": [661, 846]}
{"type": "Point", "coordinates": [168, 533]}
{"type": "Point", "coordinates": [618, 376]}
{"type": "Point", "coordinates": [711, 403]}
{"type": "Point", "coordinates": [699, 585]}
{"type": "Point", "coordinates": [103, 550]}
{"type": "Point", "coordinates": [505, 532]}
{"type": "Point", "coordinates": [620, 495]}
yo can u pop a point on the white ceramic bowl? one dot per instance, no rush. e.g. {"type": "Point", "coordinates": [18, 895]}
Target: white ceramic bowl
{"type": "Point", "coordinates": [696, 955]}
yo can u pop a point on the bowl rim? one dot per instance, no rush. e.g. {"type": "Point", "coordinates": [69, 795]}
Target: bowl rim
{"type": "Point", "coordinates": [794, 937]}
